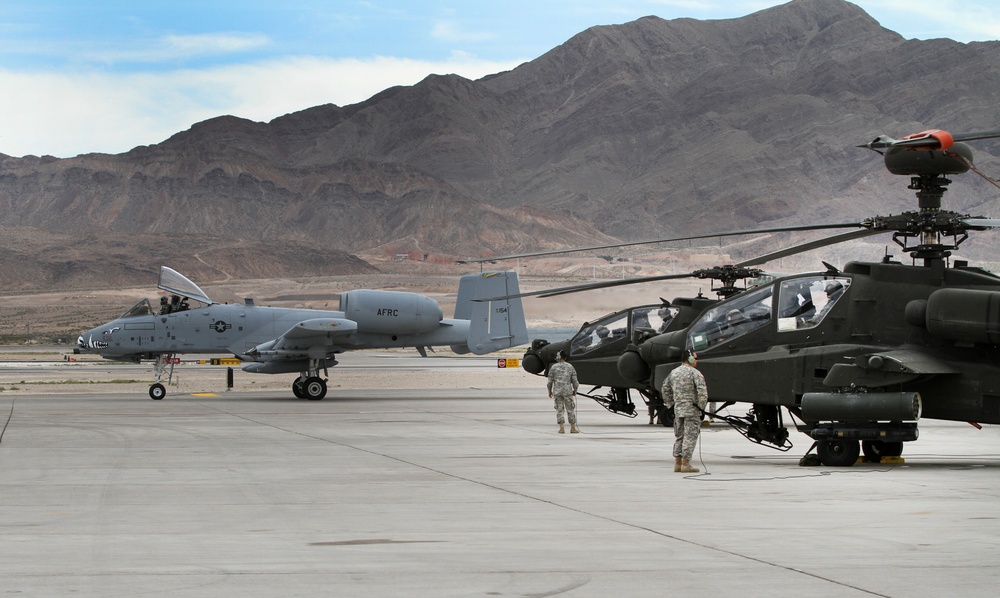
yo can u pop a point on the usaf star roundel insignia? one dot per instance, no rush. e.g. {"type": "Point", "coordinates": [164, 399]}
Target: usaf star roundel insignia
{"type": "Point", "coordinates": [220, 326]}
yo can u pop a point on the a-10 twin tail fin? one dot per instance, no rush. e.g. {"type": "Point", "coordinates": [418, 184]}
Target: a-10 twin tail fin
{"type": "Point", "coordinates": [493, 325]}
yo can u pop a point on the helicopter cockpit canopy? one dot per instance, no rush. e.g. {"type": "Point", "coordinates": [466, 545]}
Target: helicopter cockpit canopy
{"type": "Point", "coordinates": [619, 326]}
{"type": "Point", "coordinates": [748, 311]}
{"type": "Point", "coordinates": [802, 303]}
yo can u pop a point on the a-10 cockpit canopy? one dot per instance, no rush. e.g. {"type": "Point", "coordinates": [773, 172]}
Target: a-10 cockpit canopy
{"type": "Point", "coordinates": [141, 308]}
{"type": "Point", "coordinates": [181, 289]}
{"type": "Point", "coordinates": [176, 283]}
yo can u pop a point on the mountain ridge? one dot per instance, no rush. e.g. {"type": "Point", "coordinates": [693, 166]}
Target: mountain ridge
{"type": "Point", "coordinates": [641, 130]}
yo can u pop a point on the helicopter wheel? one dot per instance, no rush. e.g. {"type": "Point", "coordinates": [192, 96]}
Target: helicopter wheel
{"type": "Point", "coordinates": [157, 391]}
{"type": "Point", "coordinates": [838, 453]}
{"type": "Point", "coordinates": [314, 388]}
{"type": "Point", "coordinates": [298, 389]}
{"type": "Point", "coordinates": [874, 450]}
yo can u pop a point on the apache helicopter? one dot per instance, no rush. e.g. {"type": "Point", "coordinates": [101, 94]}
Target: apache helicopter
{"type": "Point", "coordinates": [857, 356]}
{"type": "Point", "coordinates": [596, 347]}
{"type": "Point", "coordinates": [277, 340]}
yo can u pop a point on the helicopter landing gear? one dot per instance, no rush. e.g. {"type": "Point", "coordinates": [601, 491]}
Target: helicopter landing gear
{"type": "Point", "coordinates": [840, 446]}
{"type": "Point", "coordinates": [874, 450]}
{"type": "Point", "coordinates": [617, 401]}
{"type": "Point", "coordinates": [837, 452]}
{"type": "Point", "coordinates": [658, 412]}
{"type": "Point", "coordinates": [157, 391]}
{"type": "Point", "coordinates": [763, 424]}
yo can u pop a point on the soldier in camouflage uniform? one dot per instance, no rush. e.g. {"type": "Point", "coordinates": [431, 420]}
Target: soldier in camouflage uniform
{"type": "Point", "coordinates": [562, 387]}
{"type": "Point", "coordinates": [685, 391]}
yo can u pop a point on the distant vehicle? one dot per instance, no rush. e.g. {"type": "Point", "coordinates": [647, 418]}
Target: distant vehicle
{"type": "Point", "coordinates": [277, 340]}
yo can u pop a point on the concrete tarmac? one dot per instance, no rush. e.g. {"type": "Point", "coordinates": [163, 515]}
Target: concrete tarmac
{"type": "Point", "coordinates": [467, 491]}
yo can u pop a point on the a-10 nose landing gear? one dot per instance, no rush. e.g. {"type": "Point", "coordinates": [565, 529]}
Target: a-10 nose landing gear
{"type": "Point", "coordinates": [157, 391]}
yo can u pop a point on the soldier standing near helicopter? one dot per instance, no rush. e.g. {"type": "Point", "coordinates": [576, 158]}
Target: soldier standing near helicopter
{"type": "Point", "coordinates": [562, 387]}
{"type": "Point", "coordinates": [685, 391]}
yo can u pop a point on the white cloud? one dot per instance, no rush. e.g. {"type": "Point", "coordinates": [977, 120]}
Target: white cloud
{"type": "Point", "coordinates": [174, 47]}
{"type": "Point", "coordinates": [68, 114]}
{"type": "Point", "coordinates": [451, 31]}
{"type": "Point", "coordinates": [215, 43]}
{"type": "Point", "coordinates": [959, 20]}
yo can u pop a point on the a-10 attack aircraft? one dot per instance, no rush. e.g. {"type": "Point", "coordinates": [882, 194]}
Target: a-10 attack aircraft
{"type": "Point", "coordinates": [278, 340]}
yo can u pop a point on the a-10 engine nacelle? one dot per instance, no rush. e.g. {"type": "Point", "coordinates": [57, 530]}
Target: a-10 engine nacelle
{"type": "Point", "coordinates": [391, 312]}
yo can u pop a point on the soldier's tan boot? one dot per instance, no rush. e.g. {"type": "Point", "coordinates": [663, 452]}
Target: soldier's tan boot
{"type": "Point", "coordinates": [677, 463]}
{"type": "Point", "coordinates": [562, 429]}
{"type": "Point", "coordinates": [573, 429]}
{"type": "Point", "coordinates": [686, 467]}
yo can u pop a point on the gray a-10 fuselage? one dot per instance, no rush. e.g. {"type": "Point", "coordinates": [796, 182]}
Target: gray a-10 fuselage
{"type": "Point", "coordinates": [277, 340]}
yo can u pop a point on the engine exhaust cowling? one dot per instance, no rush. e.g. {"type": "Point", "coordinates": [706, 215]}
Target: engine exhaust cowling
{"type": "Point", "coordinates": [964, 315]}
{"type": "Point", "coordinates": [632, 366]}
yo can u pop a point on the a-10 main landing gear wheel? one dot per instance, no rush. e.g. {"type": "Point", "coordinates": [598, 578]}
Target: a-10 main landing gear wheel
{"type": "Point", "coordinates": [314, 388]}
{"type": "Point", "coordinates": [298, 388]}
{"type": "Point", "coordinates": [157, 391]}
{"type": "Point", "coordinates": [837, 452]}
{"type": "Point", "coordinates": [874, 450]}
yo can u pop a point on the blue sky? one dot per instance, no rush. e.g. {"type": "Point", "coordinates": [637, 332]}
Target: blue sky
{"type": "Point", "coordinates": [81, 76]}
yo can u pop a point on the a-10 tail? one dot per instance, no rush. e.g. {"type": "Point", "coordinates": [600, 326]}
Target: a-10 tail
{"type": "Point", "coordinates": [493, 325]}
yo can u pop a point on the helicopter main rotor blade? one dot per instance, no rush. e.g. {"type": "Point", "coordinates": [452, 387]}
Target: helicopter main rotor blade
{"type": "Point", "coordinates": [780, 229]}
{"type": "Point", "coordinates": [612, 283]}
{"type": "Point", "coordinates": [932, 139]}
{"type": "Point", "coordinates": [856, 234]}
{"type": "Point", "coordinates": [977, 135]}
{"type": "Point", "coordinates": [590, 286]}
{"type": "Point", "coordinates": [982, 222]}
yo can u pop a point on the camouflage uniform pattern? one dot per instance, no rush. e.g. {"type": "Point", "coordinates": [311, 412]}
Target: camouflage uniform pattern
{"type": "Point", "coordinates": [685, 391]}
{"type": "Point", "coordinates": [562, 384]}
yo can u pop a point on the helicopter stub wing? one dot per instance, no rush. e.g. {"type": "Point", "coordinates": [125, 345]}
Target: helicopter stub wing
{"type": "Point", "coordinates": [886, 368]}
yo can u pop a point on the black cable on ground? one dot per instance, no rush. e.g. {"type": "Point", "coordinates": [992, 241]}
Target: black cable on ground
{"type": "Point", "coordinates": [7, 423]}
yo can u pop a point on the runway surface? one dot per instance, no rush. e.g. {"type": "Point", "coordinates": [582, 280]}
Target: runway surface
{"type": "Point", "coordinates": [466, 491]}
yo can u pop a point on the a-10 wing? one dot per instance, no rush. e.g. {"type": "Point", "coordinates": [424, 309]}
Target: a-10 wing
{"type": "Point", "coordinates": [316, 338]}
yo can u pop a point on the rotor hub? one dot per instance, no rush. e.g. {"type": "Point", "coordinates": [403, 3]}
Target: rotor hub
{"type": "Point", "coordinates": [728, 275]}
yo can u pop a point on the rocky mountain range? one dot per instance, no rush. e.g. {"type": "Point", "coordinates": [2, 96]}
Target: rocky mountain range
{"type": "Point", "coordinates": [642, 130]}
